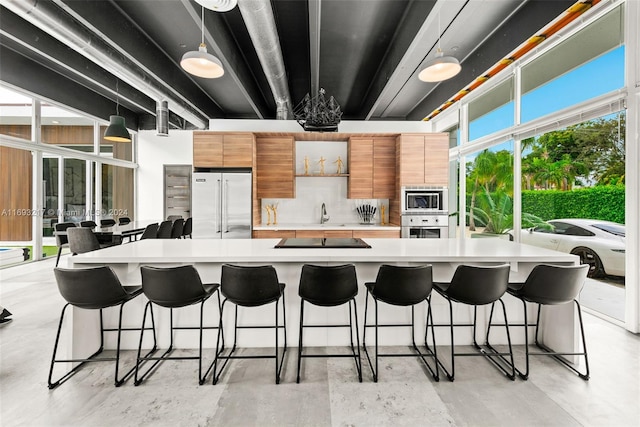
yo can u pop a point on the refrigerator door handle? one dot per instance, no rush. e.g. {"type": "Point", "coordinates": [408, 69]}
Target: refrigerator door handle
{"type": "Point", "coordinates": [219, 209]}
{"type": "Point", "coordinates": [225, 204]}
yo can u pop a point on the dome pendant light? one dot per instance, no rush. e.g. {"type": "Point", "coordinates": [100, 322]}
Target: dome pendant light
{"type": "Point", "coordinates": [117, 131]}
{"type": "Point", "coordinates": [201, 63]}
{"type": "Point", "coordinates": [441, 67]}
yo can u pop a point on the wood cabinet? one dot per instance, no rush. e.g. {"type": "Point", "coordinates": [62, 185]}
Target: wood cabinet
{"type": "Point", "coordinates": [372, 172]}
{"type": "Point", "coordinates": [222, 150]}
{"type": "Point", "coordinates": [387, 234]}
{"type": "Point", "coordinates": [275, 168]}
{"type": "Point", "coordinates": [423, 159]}
{"type": "Point", "coordinates": [273, 234]}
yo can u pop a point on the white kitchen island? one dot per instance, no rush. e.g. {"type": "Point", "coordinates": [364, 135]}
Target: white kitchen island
{"type": "Point", "coordinates": [208, 256]}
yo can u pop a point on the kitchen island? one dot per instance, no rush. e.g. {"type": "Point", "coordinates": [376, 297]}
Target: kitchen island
{"type": "Point", "coordinates": [208, 256]}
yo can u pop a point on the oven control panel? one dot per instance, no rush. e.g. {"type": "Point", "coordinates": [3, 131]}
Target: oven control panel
{"type": "Point", "coordinates": [425, 220]}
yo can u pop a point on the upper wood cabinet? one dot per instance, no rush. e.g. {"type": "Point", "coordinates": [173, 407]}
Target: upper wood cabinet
{"type": "Point", "coordinates": [221, 150]}
{"type": "Point", "coordinates": [275, 167]}
{"type": "Point", "coordinates": [372, 170]}
{"type": "Point", "coordinates": [423, 159]}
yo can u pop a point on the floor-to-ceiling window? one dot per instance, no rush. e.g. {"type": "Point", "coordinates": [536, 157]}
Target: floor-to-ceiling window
{"type": "Point", "coordinates": [561, 114]}
{"type": "Point", "coordinates": [71, 152]}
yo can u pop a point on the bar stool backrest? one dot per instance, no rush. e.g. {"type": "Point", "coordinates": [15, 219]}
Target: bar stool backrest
{"type": "Point", "coordinates": [250, 286]}
{"type": "Point", "coordinates": [90, 288]}
{"type": "Point", "coordinates": [150, 231]}
{"type": "Point", "coordinates": [107, 222]}
{"type": "Point", "coordinates": [401, 285]}
{"type": "Point", "coordinates": [328, 285]}
{"type": "Point", "coordinates": [89, 224]}
{"type": "Point", "coordinates": [124, 220]}
{"type": "Point", "coordinates": [172, 287]}
{"type": "Point", "coordinates": [554, 284]}
{"type": "Point", "coordinates": [62, 226]}
{"type": "Point", "coordinates": [82, 240]}
{"type": "Point", "coordinates": [475, 285]}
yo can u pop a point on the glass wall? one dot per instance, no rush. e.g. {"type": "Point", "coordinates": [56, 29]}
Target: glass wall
{"type": "Point", "coordinates": [574, 178]}
{"type": "Point", "coordinates": [489, 184]}
{"type": "Point", "coordinates": [50, 191]}
{"type": "Point", "coordinates": [117, 192]}
{"type": "Point", "coordinates": [492, 111]}
{"type": "Point", "coordinates": [588, 64]}
{"type": "Point", "coordinates": [67, 129]}
{"type": "Point", "coordinates": [15, 114]}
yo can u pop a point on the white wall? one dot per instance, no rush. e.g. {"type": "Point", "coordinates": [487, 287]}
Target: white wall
{"type": "Point", "coordinates": [153, 153]}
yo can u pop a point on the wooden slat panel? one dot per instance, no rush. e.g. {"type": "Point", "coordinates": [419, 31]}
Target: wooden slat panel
{"type": "Point", "coordinates": [384, 168]}
{"type": "Point", "coordinates": [411, 159]}
{"type": "Point", "coordinates": [208, 150]}
{"type": "Point", "coordinates": [238, 150]}
{"type": "Point", "coordinates": [360, 168]}
{"type": "Point", "coordinates": [273, 234]}
{"type": "Point", "coordinates": [436, 159]}
{"type": "Point", "coordinates": [15, 196]}
{"type": "Point", "coordinates": [275, 167]}
{"type": "Point", "coordinates": [376, 233]}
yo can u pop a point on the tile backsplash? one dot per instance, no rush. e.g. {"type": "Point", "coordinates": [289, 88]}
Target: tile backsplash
{"type": "Point", "coordinates": [311, 192]}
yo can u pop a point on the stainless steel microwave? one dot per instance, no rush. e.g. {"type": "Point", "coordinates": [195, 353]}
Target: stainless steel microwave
{"type": "Point", "coordinates": [416, 200]}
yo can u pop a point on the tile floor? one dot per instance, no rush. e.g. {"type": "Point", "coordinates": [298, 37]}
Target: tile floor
{"type": "Point", "coordinates": [329, 394]}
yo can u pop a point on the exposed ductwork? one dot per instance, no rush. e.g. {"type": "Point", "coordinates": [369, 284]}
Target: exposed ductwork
{"type": "Point", "coordinates": [53, 20]}
{"type": "Point", "coordinates": [162, 118]}
{"type": "Point", "coordinates": [261, 25]}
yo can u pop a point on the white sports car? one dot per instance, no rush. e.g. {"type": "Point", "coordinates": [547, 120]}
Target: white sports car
{"type": "Point", "coordinates": [601, 244]}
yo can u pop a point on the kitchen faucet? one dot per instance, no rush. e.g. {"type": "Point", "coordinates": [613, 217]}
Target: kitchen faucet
{"type": "Point", "coordinates": [323, 214]}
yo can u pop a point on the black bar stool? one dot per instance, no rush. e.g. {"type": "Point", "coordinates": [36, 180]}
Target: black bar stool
{"type": "Point", "coordinates": [476, 286]}
{"type": "Point", "coordinates": [251, 287]}
{"type": "Point", "coordinates": [174, 287]}
{"type": "Point", "coordinates": [401, 286]}
{"type": "Point", "coordinates": [330, 287]}
{"type": "Point", "coordinates": [92, 289]}
{"type": "Point", "coordinates": [551, 285]}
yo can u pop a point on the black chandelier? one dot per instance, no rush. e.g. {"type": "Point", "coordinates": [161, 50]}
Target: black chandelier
{"type": "Point", "coordinates": [318, 114]}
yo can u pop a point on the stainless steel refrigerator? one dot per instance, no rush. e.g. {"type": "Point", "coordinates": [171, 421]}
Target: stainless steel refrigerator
{"type": "Point", "coordinates": [221, 205]}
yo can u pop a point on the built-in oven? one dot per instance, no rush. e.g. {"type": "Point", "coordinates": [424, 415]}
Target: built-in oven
{"type": "Point", "coordinates": [424, 200]}
{"type": "Point", "coordinates": [424, 226]}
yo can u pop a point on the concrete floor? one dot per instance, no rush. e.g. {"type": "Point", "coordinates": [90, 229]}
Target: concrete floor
{"type": "Point", "coordinates": [329, 394]}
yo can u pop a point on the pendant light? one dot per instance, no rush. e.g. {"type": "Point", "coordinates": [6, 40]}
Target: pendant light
{"type": "Point", "coordinates": [201, 63]}
{"type": "Point", "coordinates": [117, 131]}
{"type": "Point", "coordinates": [218, 5]}
{"type": "Point", "coordinates": [441, 67]}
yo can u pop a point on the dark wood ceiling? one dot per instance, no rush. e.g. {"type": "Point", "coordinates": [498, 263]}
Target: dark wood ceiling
{"type": "Point", "coordinates": [365, 53]}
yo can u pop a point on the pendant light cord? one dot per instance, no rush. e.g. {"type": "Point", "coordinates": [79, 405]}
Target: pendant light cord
{"type": "Point", "coordinates": [202, 25]}
{"type": "Point", "coordinates": [117, 98]}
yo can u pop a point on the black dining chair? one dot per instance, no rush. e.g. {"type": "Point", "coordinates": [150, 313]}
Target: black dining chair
{"type": "Point", "coordinates": [62, 240]}
{"type": "Point", "coordinates": [88, 224]}
{"type": "Point", "coordinates": [150, 232]}
{"type": "Point", "coordinates": [405, 286]}
{"type": "Point", "coordinates": [330, 286]}
{"type": "Point", "coordinates": [247, 287]}
{"type": "Point", "coordinates": [551, 285]}
{"type": "Point", "coordinates": [188, 228]}
{"type": "Point", "coordinates": [82, 240]}
{"type": "Point", "coordinates": [164, 231]}
{"type": "Point", "coordinates": [477, 286]}
{"type": "Point", "coordinates": [95, 288]}
{"type": "Point", "coordinates": [123, 220]}
{"type": "Point", "coordinates": [174, 288]}
{"type": "Point", "coordinates": [177, 228]}
{"type": "Point", "coordinates": [107, 222]}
